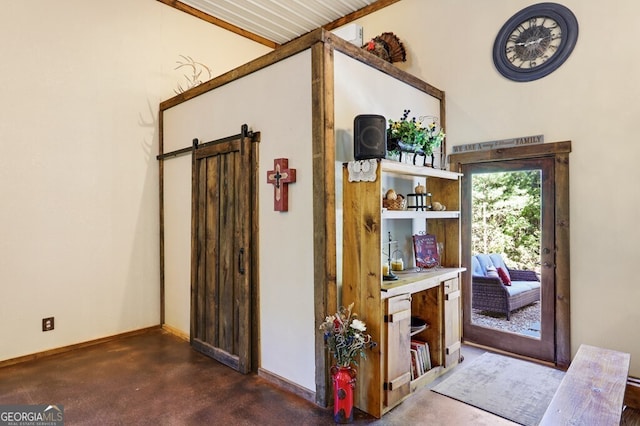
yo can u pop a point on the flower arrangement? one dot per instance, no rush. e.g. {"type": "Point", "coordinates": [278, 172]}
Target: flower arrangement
{"type": "Point", "coordinates": [412, 135]}
{"type": "Point", "coordinates": [344, 336]}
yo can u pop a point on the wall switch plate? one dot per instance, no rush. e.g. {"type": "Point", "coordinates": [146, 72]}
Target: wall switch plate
{"type": "Point", "coordinates": [48, 324]}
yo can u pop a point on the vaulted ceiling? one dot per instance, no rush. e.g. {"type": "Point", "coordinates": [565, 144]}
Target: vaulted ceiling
{"type": "Point", "coordinates": [274, 22]}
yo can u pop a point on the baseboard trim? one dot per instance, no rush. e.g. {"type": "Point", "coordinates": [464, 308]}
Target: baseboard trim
{"type": "Point", "coordinates": [178, 333]}
{"type": "Point", "coordinates": [56, 351]}
{"type": "Point", "coordinates": [287, 385]}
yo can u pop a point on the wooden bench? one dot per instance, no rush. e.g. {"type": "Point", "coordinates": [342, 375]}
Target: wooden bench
{"type": "Point", "coordinates": [592, 390]}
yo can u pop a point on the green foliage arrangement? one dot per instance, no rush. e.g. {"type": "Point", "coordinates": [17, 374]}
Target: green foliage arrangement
{"type": "Point", "coordinates": [413, 135]}
{"type": "Point", "coordinates": [345, 337]}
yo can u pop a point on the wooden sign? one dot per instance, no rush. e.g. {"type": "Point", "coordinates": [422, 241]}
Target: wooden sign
{"type": "Point", "coordinates": [502, 143]}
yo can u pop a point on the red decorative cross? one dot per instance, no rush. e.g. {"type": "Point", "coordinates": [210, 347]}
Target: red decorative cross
{"type": "Point", "coordinates": [281, 176]}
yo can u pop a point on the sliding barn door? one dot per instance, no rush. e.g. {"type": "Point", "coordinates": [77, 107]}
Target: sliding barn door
{"type": "Point", "coordinates": [221, 251]}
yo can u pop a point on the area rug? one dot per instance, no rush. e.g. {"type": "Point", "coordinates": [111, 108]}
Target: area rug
{"type": "Point", "coordinates": [517, 390]}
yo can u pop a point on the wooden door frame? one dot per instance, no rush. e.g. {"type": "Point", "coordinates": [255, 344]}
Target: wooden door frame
{"type": "Point", "coordinates": [560, 152]}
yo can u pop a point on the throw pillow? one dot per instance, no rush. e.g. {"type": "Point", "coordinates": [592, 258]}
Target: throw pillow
{"type": "Point", "coordinates": [492, 272]}
{"type": "Point", "coordinates": [504, 277]}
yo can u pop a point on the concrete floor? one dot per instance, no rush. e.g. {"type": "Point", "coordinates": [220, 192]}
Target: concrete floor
{"type": "Point", "coordinates": [156, 378]}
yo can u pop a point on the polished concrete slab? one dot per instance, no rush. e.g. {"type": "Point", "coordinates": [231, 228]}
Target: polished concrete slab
{"type": "Point", "coordinates": [156, 378]}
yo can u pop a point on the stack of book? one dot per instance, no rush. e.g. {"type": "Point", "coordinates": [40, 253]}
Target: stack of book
{"type": "Point", "coordinates": [420, 358]}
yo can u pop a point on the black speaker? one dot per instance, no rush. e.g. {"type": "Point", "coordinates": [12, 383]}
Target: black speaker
{"type": "Point", "coordinates": [369, 136]}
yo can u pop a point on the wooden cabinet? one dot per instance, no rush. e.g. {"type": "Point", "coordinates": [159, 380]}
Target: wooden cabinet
{"type": "Point", "coordinates": [398, 360]}
{"type": "Point", "coordinates": [385, 376]}
{"type": "Point", "coordinates": [452, 325]}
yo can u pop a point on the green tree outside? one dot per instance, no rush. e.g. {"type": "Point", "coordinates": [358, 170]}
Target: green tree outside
{"type": "Point", "coordinates": [506, 209]}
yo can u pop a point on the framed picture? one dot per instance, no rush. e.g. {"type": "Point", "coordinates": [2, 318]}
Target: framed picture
{"type": "Point", "coordinates": [425, 249]}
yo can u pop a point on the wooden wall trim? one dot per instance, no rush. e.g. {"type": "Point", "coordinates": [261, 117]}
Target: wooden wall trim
{"type": "Point", "coordinates": [297, 46]}
{"type": "Point", "coordinates": [285, 51]}
{"type": "Point", "coordinates": [69, 348]}
{"type": "Point", "coordinates": [374, 7]}
{"type": "Point", "coordinates": [563, 265]}
{"type": "Point", "coordinates": [175, 332]}
{"type": "Point", "coordinates": [161, 214]}
{"type": "Point", "coordinates": [287, 385]}
{"type": "Point", "coordinates": [324, 211]}
{"type": "Point", "coordinates": [219, 22]}
{"type": "Point", "coordinates": [512, 153]}
{"type": "Point", "coordinates": [388, 68]}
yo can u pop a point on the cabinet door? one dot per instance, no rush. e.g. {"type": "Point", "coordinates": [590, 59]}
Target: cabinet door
{"type": "Point", "coordinates": [451, 322]}
{"type": "Point", "coordinates": [398, 355]}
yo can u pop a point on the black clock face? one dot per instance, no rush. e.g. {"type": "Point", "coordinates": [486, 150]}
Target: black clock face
{"type": "Point", "coordinates": [535, 41]}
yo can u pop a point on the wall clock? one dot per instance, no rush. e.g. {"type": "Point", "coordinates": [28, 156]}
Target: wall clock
{"type": "Point", "coordinates": [535, 41]}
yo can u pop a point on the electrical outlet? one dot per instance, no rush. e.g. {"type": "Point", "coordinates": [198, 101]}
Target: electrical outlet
{"type": "Point", "coordinates": [48, 324]}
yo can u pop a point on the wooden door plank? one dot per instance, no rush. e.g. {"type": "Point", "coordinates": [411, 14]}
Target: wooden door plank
{"type": "Point", "coordinates": [242, 267]}
{"type": "Point", "coordinates": [210, 307]}
{"type": "Point", "coordinates": [225, 200]}
{"type": "Point", "coordinates": [398, 359]}
{"type": "Point", "coordinates": [200, 331]}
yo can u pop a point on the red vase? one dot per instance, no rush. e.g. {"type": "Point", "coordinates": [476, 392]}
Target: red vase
{"type": "Point", "coordinates": [344, 381]}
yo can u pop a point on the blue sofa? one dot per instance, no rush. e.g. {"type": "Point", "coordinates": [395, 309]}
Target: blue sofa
{"type": "Point", "coordinates": [490, 294]}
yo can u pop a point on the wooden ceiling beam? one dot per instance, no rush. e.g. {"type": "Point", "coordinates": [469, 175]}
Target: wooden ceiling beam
{"type": "Point", "coordinates": [219, 22]}
{"type": "Point", "coordinates": [373, 7]}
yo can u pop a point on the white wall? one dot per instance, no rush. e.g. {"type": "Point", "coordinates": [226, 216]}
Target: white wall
{"type": "Point", "coordinates": [78, 138]}
{"type": "Point", "coordinates": [276, 101]}
{"type": "Point", "coordinates": [591, 100]}
{"type": "Point", "coordinates": [81, 84]}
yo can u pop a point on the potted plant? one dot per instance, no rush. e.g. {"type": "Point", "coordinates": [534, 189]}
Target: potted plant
{"type": "Point", "coordinates": [414, 136]}
{"type": "Point", "coordinates": [345, 337]}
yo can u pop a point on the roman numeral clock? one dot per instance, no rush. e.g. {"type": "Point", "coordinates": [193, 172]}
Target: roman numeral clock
{"type": "Point", "coordinates": [535, 41]}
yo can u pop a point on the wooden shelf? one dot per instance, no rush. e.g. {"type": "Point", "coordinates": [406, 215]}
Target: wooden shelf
{"type": "Point", "coordinates": [398, 168]}
{"type": "Point", "coordinates": [412, 281]}
{"type": "Point", "coordinates": [413, 214]}
{"type": "Point", "coordinates": [426, 378]}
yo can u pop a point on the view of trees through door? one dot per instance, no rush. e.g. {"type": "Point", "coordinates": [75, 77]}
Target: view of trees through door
{"type": "Point", "coordinates": [510, 212]}
{"type": "Point", "coordinates": [506, 219]}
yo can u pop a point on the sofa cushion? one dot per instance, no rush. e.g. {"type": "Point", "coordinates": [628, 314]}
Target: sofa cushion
{"type": "Point", "coordinates": [504, 277]}
{"type": "Point", "coordinates": [492, 272]}
{"type": "Point", "coordinates": [484, 260]}
{"type": "Point", "coordinates": [476, 269]}
{"type": "Point", "coordinates": [498, 262]}
{"type": "Point", "coordinates": [531, 285]}
{"type": "Point", "coordinates": [518, 287]}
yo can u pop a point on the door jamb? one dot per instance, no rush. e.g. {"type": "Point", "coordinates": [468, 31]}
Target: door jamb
{"type": "Point", "coordinates": [560, 152]}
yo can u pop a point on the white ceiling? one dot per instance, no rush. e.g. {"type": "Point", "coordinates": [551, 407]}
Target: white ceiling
{"type": "Point", "coordinates": [278, 20]}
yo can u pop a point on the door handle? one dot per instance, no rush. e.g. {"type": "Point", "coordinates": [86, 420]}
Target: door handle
{"type": "Point", "coordinates": [546, 264]}
{"type": "Point", "coordinates": [241, 261]}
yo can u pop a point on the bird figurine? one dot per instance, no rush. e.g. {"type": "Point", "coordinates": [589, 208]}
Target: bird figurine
{"type": "Point", "coordinates": [388, 47]}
